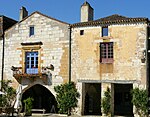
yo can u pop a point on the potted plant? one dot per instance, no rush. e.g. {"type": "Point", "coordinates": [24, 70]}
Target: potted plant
{"type": "Point", "coordinates": [28, 106]}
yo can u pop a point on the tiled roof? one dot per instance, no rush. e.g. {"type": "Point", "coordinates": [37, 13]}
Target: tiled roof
{"type": "Point", "coordinates": [113, 19]}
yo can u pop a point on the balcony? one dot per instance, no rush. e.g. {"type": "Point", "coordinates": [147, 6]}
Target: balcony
{"type": "Point", "coordinates": [44, 75]}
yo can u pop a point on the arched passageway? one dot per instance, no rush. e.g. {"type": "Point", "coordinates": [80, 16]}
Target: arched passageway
{"type": "Point", "coordinates": [43, 98]}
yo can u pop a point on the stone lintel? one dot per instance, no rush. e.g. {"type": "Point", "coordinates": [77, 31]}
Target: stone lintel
{"type": "Point", "coordinates": [109, 81]}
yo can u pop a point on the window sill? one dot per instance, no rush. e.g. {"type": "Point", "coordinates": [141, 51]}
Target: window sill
{"type": "Point", "coordinates": [106, 62]}
{"type": "Point", "coordinates": [106, 37]}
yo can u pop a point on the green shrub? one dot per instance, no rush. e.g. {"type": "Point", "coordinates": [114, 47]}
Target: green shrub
{"type": "Point", "coordinates": [66, 96]}
{"type": "Point", "coordinates": [140, 101]}
{"type": "Point", "coordinates": [106, 102]}
{"type": "Point", "coordinates": [10, 94]}
{"type": "Point", "coordinates": [28, 105]}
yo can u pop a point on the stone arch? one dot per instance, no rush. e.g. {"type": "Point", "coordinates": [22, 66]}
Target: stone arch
{"type": "Point", "coordinates": [43, 97]}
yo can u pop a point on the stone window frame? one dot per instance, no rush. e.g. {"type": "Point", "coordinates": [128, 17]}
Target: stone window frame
{"type": "Point", "coordinates": [31, 48]}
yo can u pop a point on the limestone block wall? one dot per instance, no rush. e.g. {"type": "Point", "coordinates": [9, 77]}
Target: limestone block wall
{"type": "Point", "coordinates": [54, 49]}
{"type": "Point", "coordinates": [129, 42]}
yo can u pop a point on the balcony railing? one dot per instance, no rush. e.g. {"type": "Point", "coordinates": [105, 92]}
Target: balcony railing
{"type": "Point", "coordinates": [19, 75]}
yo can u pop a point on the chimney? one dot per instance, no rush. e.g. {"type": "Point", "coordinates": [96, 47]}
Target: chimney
{"type": "Point", "coordinates": [23, 13]}
{"type": "Point", "coordinates": [87, 12]}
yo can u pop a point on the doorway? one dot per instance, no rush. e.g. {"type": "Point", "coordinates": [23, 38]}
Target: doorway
{"type": "Point", "coordinates": [43, 98]}
{"type": "Point", "coordinates": [92, 102]}
{"type": "Point", "coordinates": [122, 99]}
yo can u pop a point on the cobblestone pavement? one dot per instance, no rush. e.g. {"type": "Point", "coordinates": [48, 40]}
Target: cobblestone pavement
{"type": "Point", "coordinates": [53, 115]}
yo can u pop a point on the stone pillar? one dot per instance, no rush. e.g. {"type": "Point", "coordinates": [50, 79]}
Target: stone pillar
{"type": "Point", "coordinates": [83, 99]}
{"type": "Point", "coordinates": [81, 90]}
{"type": "Point", "coordinates": [112, 99]}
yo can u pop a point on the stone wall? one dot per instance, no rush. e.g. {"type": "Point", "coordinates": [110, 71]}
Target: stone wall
{"type": "Point", "coordinates": [5, 23]}
{"type": "Point", "coordinates": [129, 43]}
{"type": "Point", "coordinates": [54, 49]}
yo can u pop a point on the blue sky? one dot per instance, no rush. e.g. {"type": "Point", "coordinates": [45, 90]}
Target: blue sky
{"type": "Point", "coordinates": [69, 10]}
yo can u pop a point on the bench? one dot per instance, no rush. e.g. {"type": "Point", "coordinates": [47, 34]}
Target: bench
{"type": "Point", "coordinates": [38, 110]}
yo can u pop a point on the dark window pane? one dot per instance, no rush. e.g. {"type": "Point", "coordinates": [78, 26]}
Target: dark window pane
{"type": "Point", "coordinates": [104, 31]}
{"type": "Point", "coordinates": [81, 32]}
{"type": "Point", "coordinates": [106, 55]}
{"type": "Point", "coordinates": [27, 66]}
{"type": "Point", "coordinates": [31, 30]}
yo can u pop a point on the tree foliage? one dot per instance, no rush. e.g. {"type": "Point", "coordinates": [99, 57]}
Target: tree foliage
{"type": "Point", "coordinates": [66, 96]}
{"type": "Point", "coordinates": [10, 94]}
{"type": "Point", "coordinates": [140, 101]}
{"type": "Point", "coordinates": [106, 102]}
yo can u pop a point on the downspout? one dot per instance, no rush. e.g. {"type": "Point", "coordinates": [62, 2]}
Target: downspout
{"type": "Point", "coordinates": [147, 64]}
{"type": "Point", "coordinates": [69, 53]}
{"type": "Point", "coordinates": [147, 58]}
{"type": "Point", "coordinates": [2, 77]}
{"type": "Point", "coordinates": [2, 36]}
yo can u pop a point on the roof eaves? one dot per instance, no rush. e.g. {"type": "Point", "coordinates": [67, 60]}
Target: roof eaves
{"type": "Point", "coordinates": [96, 23]}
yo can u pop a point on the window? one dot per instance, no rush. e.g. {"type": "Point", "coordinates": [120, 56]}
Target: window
{"type": "Point", "coordinates": [106, 52]}
{"type": "Point", "coordinates": [81, 32]}
{"type": "Point", "coordinates": [31, 62]}
{"type": "Point", "coordinates": [31, 30]}
{"type": "Point", "coordinates": [104, 31]}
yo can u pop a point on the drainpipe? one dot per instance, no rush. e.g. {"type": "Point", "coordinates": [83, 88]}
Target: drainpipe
{"type": "Point", "coordinates": [69, 53]}
{"type": "Point", "coordinates": [147, 58]}
{"type": "Point", "coordinates": [2, 37]}
{"type": "Point", "coordinates": [147, 65]}
{"type": "Point", "coordinates": [2, 74]}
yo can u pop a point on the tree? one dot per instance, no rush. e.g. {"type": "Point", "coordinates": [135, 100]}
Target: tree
{"type": "Point", "coordinates": [106, 102]}
{"type": "Point", "coordinates": [10, 94]}
{"type": "Point", "coordinates": [140, 101]}
{"type": "Point", "coordinates": [66, 96]}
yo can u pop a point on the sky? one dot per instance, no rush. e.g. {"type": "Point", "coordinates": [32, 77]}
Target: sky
{"type": "Point", "coordinates": [69, 10]}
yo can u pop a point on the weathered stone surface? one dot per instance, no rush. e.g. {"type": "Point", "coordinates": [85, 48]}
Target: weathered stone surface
{"type": "Point", "coordinates": [53, 35]}
{"type": "Point", "coordinates": [129, 42]}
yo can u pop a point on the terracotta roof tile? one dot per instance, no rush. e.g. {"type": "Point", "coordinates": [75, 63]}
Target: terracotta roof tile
{"type": "Point", "coordinates": [113, 19]}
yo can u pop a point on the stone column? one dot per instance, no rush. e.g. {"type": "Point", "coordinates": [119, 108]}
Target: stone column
{"type": "Point", "coordinates": [83, 99]}
{"type": "Point", "coordinates": [112, 99]}
{"type": "Point", "coordinates": [81, 90]}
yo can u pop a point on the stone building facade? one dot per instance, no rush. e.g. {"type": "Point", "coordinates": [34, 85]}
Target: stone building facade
{"type": "Point", "coordinates": [109, 52]}
{"type": "Point", "coordinates": [41, 52]}
{"type": "Point", "coordinates": [5, 23]}
{"type": "Point", "coordinates": [36, 57]}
